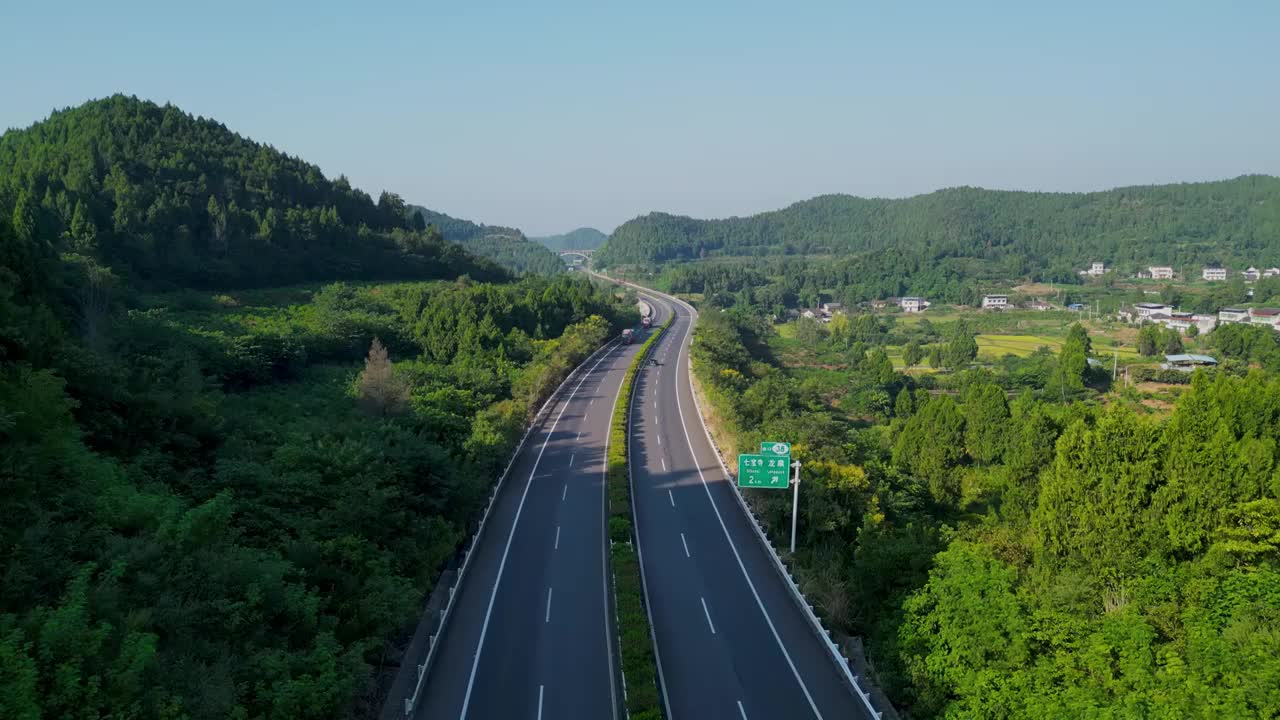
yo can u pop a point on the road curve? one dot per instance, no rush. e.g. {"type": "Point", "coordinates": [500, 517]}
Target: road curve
{"type": "Point", "coordinates": [531, 633]}
{"type": "Point", "coordinates": [731, 640]}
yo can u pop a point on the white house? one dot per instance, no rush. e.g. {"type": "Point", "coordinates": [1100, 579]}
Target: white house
{"type": "Point", "coordinates": [1250, 273]}
{"type": "Point", "coordinates": [1144, 311]}
{"type": "Point", "coordinates": [832, 308]}
{"type": "Point", "coordinates": [1178, 321]}
{"type": "Point", "coordinates": [1270, 272]}
{"type": "Point", "coordinates": [1214, 273]}
{"type": "Point", "coordinates": [1265, 316]}
{"type": "Point", "coordinates": [1039, 305]}
{"type": "Point", "coordinates": [1095, 269]}
{"type": "Point", "coordinates": [1205, 323]}
{"type": "Point", "coordinates": [810, 314]}
{"type": "Point", "coordinates": [913, 304]}
{"type": "Point", "coordinates": [1161, 272]}
{"type": "Point", "coordinates": [1233, 315]}
{"type": "Point", "coordinates": [998, 302]}
{"type": "Point", "coordinates": [1183, 322]}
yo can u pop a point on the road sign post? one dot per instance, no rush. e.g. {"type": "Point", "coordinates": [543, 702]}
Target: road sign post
{"type": "Point", "coordinates": [795, 504]}
{"type": "Point", "coordinates": [769, 469]}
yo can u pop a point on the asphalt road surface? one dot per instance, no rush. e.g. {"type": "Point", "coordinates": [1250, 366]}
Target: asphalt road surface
{"type": "Point", "coordinates": [531, 635]}
{"type": "Point", "coordinates": [731, 641]}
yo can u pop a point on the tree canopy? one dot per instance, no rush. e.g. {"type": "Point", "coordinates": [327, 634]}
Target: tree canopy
{"type": "Point", "coordinates": [169, 200]}
{"type": "Point", "coordinates": [984, 233]}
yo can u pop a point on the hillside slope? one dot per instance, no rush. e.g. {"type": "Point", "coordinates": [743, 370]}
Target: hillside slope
{"type": "Point", "coordinates": [506, 246]}
{"type": "Point", "coordinates": [1232, 221]}
{"type": "Point", "coordinates": [165, 199]}
{"type": "Point", "coordinates": [581, 239]}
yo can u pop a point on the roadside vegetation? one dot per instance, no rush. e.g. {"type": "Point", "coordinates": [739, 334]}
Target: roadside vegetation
{"type": "Point", "coordinates": [1013, 535]}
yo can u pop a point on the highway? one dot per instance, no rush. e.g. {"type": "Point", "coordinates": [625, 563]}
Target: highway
{"type": "Point", "coordinates": [731, 641]}
{"type": "Point", "coordinates": [531, 634]}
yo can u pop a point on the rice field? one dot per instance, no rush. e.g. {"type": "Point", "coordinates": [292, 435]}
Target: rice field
{"type": "Point", "coordinates": [995, 346]}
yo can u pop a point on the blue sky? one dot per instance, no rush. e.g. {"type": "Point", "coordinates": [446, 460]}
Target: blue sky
{"type": "Point", "coordinates": [550, 115]}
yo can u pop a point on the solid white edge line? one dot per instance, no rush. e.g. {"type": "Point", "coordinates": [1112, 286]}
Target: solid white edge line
{"type": "Point", "coordinates": [707, 612]}
{"type": "Point", "coordinates": [412, 702]}
{"type": "Point", "coordinates": [493, 596]}
{"type": "Point", "coordinates": [729, 539]}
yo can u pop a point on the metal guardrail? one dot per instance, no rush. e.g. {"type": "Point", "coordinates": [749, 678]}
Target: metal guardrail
{"type": "Point", "coordinates": [432, 641]}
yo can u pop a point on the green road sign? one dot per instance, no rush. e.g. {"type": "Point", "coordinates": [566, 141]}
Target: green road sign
{"type": "Point", "coordinates": [764, 471]}
{"type": "Point", "coordinates": [775, 448]}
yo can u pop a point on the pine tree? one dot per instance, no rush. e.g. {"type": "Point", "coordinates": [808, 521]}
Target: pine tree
{"type": "Point", "coordinates": [380, 392]}
{"type": "Point", "coordinates": [962, 348]}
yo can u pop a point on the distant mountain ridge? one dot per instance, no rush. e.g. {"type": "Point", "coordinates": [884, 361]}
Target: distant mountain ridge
{"type": "Point", "coordinates": [504, 245]}
{"type": "Point", "coordinates": [1027, 233]}
{"type": "Point", "coordinates": [584, 238]}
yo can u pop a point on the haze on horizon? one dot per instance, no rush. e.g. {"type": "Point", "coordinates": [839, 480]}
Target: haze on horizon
{"type": "Point", "coordinates": [551, 117]}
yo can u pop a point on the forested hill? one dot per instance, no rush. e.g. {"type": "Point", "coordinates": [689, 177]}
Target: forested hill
{"type": "Point", "coordinates": [1028, 233]}
{"type": "Point", "coordinates": [164, 199]}
{"type": "Point", "coordinates": [581, 239]}
{"type": "Point", "coordinates": [506, 246]}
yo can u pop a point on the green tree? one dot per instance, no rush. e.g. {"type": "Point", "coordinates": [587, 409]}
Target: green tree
{"type": "Point", "coordinates": [935, 356]}
{"type": "Point", "coordinates": [904, 404]}
{"type": "Point", "coordinates": [962, 347]}
{"type": "Point", "coordinates": [931, 444]}
{"type": "Point", "coordinates": [966, 636]}
{"type": "Point", "coordinates": [912, 354]}
{"type": "Point", "coordinates": [1101, 479]}
{"type": "Point", "coordinates": [1149, 340]}
{"type": "Point", "coordinates": [986, 413]}
{"type": "Point", "coordinates": [1073, 360]}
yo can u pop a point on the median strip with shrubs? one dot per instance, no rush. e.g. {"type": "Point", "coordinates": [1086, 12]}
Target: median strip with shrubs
{"type": "Point", "coordinates": [635, 640]}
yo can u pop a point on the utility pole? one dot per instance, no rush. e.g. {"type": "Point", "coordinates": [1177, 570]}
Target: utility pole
{"type": "Point", "coordinates": [795, 503]}
{"type": "Point", "coordinates": [1115, 365]}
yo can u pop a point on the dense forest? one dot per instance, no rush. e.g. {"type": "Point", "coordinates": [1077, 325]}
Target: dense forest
{"type": "Point", "coordinates": [230, 503]}
{"type": "Point", "coordinates": [1041, 236]}
{"type": "Point", "coordinates": [506, 246]}
{"type": "Point", "coordinates": [581, 239]}
{"type": "Point", "coordinates": [164, 200]}
{"type": "Point", "coordinates": [1017, 539]}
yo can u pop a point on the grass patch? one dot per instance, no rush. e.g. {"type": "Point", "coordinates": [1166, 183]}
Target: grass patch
{"type": "Point", "coordinates": [635, 641]}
